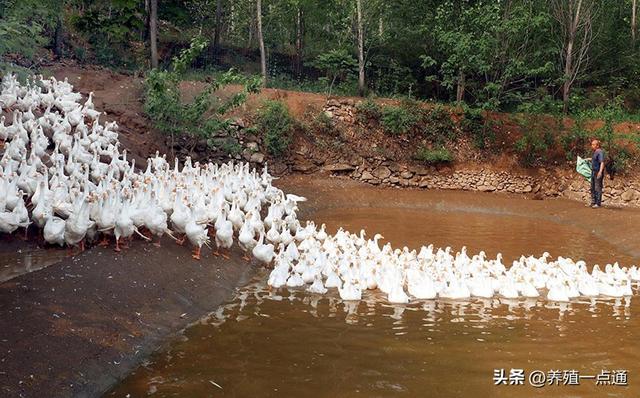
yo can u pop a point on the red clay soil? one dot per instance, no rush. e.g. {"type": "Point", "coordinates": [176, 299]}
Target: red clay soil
{"type": "Point", "coordinates": [121, 97]}
{"type": "Point", "coordinates": [77, 327]}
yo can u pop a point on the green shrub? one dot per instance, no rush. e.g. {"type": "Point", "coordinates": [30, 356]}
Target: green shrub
{"type": "Point", "coordinates": [576, 141]}
{"type": "Point", "coordinates": [622, 158]}
{"type": "Point", "coordinates": [23, 26]}
{"type": "Point", "coordinates": [203, 116]}
{"type": "Point", "coordinates": [339, 65]}
{"type": "Point", "coordinates": [111, 29]}
{"type": "Point", "coordinates": [537, 138]}
{"type": "Point", "coordinates": [611, 113]}
{"type": "Point", "coordinates": [276, 125]}
{"type": "Point", "coordinates": [231, 147]}
{"type": "Point", "coordinates": [437, 125]}
{"type": "Point", "coordinates": [541, 103]}
{"type": "Point", "coordinates": [346, 87]}
{"type": "Point", "coordinates": [478, 127]}
{"type": "Point", "coordinates": [368, 110]}
{"type": "Point", "coordinates": [322, 123]}
{"type": "Point", "coordinates": [434, 156]}
{"type": "Point", "coordinates": [398, 120]}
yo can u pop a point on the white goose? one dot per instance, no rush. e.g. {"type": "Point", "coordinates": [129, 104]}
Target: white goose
{"type": "Point", "coordinates": [246, 236]}
{"type": "Point", "coordinates": [263, 252]}
{"type": "Point", "coordinates": [224, 234]}
{"type": "Point", "coordinates": [197, 235]}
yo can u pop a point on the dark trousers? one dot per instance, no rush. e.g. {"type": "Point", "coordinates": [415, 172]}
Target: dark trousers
{"type": "Point", "coordinates": [596, 188]}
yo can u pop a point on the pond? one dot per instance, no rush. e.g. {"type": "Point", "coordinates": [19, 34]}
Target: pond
{"type": "Point", "coordinates": [292, 343]}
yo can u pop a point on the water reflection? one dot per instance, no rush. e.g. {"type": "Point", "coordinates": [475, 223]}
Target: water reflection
{"type": "Point", "coordinates": [290, 343]}
{"type": "Point", "coordinates": [17, 258]}
{"type": "Point", "coordinates": [285, 342]}
{"type": "Point", "coordinates": [373, 303]}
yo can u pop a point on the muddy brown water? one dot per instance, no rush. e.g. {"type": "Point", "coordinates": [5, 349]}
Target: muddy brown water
{"type": "Point", "coordinates": [291, 343]}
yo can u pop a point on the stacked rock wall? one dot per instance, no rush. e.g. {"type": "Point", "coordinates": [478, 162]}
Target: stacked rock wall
{"type": "Point", "coordinates": [622, 191]}
{"type": "Point", "coordinates": [541, 183]}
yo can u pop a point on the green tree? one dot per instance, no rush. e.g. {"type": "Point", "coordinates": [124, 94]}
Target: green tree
{"type": "Point", "coordinates": [337, 64]}
{"type": "Point", "coordinates": [24, 26]}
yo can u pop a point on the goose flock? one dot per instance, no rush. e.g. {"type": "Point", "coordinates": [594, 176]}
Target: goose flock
{"type": "Point", "coordinates": [63, 171]}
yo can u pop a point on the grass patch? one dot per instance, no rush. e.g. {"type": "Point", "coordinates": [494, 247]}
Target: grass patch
{"type": "Point", "coordinates": [397, 120]}
{"type": "Point", "coordinates": [434, 156]}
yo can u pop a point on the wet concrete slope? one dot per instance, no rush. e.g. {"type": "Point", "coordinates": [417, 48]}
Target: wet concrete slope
{"type": "Point", "coordinates": [77, 327]}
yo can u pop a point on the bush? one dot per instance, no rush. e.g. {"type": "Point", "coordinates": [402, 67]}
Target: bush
{"type": "Point", "coordinates": [23, 25]}
{"type": "Point", "coordinates": [434, 156]}
{"type": "Point", "coordinates": [576, 141]}
{"type": "Point", "coordinates": [537, 138]}
{"type": "Point", "coordinates": [611, 113]}
{"type": "Point", "coordinates": [542, 102]}
{"type": "Point", "coordinates": [531, 149]}
{"type": "Point", "coordinates": [398, 120]}
{"type": "Point", "coordinates": [200, 118]}
{"type": "Point", "coordinates": [276, 125]}
{"type": "Point", "coordinates": [322, 123]}
{"type": "Point", "coordinates": [478, 127]}
{"type": "Point", "coordinates": [339, 65]}
{"type": "Point", "coordinates": [368, 110]}
{"type": "Point", "coordinates": [437, 125]}
{"type": "Point", "coordinates": [231, 147]}
{"type": "Point", "coordinates": [111, 29]}
{"type": "Point", "coordinates": [621, 157]}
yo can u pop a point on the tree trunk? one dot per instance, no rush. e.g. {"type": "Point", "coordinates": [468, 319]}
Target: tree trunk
{"type": "Point", "coordinates": [633, 21]}
{"type": "Point", "coordinates": [153, 31]}
{"type": "Point", "coordinates": [361, 84]}
{"type": "Point", "coordinates": [57, 44]}
{"type": "Point", "coordinates": [568, 64]}
{"type": "Point", "coordinates": [232, 19]}
{"type": "Point", "coordinates": [263, 57]}
{"type": "Point", "coordinates": [216, 34]}
{"type": "Point", "coordinates": [299, 42]}
{"type": "Point", "coordinates": [147, 12]}
{"type": "Point", "coordinates": [566, 86]}
{"type": "Point", "coordinates": [461, 87]}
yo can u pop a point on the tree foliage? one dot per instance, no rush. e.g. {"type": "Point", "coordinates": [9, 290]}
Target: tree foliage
{"type": "Point", "coordinates": [202, 117]}
{"type": "Point", "coordinates": [24, 25]}
{"type": "Point", "coordinates": [507, 55]}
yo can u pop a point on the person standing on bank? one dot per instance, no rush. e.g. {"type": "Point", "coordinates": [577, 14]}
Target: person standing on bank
{"type": "Point", "coordinates": [597, 174]}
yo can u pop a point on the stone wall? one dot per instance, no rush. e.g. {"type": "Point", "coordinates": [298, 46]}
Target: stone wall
{"type": "Point", "coordinates": [540, 183]}
{"type": "Point", "coordinates": [622, 191]}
